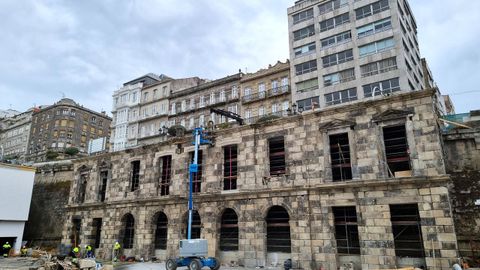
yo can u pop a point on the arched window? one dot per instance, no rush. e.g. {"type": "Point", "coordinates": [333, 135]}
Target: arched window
{"type": "Point", "coordinates": [229, 231]}
{"type": "Point", "coordinates": [161, 231]}
{"type": "Point", "coordinates": [278, 230]}
{"type": "Point", "coordinates": [129, 231]}
{"type": "Point", "coordinates": [196, 225]}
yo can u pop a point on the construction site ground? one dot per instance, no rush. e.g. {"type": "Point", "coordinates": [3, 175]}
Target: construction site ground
{"type": "Point", "coordinates": [29, 263]}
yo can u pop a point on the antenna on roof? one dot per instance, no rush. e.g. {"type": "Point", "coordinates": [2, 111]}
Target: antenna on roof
{"type": "Point", "coordinates": [63, 94]}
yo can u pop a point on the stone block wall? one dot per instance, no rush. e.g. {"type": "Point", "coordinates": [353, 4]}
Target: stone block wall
{"type": "Point", "coordinates": [47, 209]}
{"type": "Point", "coordinates": [462, 148]}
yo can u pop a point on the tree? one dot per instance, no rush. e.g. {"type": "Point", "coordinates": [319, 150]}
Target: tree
{"type": "Point", "coordinates": [51, 155]}
{"type": "Point", "coordinates": [71, 151]}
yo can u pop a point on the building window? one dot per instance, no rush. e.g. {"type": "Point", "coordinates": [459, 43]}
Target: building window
{"type": "Point", "coordinates": [302, 16]}
{"type": "Point", "coordinates": [230, 167]}
{"type": "Point", "coordinates": [396, 149]}
{"type": "Point", "coordinates": [129, 231]}
{"type": "Point", "coordinates": [276, 147]}
{"type": "Point", "coordinates": [334, 22]}
{"type": "Point", "coordinates": [407, 231]}
{"type": "Point", "coordinates": [378, 67]}
{"type": "Point", "coordinates": [381, 88]}
{"type": "Point", "coordinates": [161, 231]}
{"type": "Point", "coordinates": [339, 77]}
{"type": "Point", "coordinates": [336, 39]}
{"type": "Point", "coordinates": [278, 230]}
{"type": "Point", "coordinates": [331, 5]}
{"type": "Point", "coordinates": [165, 175]}
{"type": "Point", "coordinates": [97, 228]}
{"type": "Point", "coordinates": [201, 120]}
{"type": "Point", "coordinates": [308, 85]}
{"type": "Point", "coordinates": [340, 157]}
{"type": "Point", "coordinates": [103, 185]}
{"type": "Point", "coordinates": [82, 188]}
{"type": "Point", "coordinates": [212, 98]}
{"type": "Point", "coordinates": [341, 97]}
{"type": "Point", "coordinates": [374, 27]}
{"type": "Point", "coordinates": [376, 47]}
{"type": "Point", "coordinates": [135, 175]}
{"type": "Point", "coordinates": [338, 58]}
{"type": "Point", "coordinates": [304, 32]}
{"type": "Point", "coordinates": [202, 101]}
{"type": "Point", "coordinates": [346, 230]}
{"type": "Point", "coordinates": [371, 9]}
{"type": "Point", "coordinates": [184, 105]}
{"type": "Point", "coordinates": [306, 67]}
{"type": "Point", "coordinates": [234, 91]}
{"type": "Point", "coordinates": [229, 231]}
{"type": "Point", "coordinates": [197, 177]}
{"type": "Point", "coordinates": [308, 104]}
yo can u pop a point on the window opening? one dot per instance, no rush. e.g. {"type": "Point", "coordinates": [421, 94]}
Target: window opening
{"type": "Point", "coordinates": [229, 231]}
{"type": "Point", "coordinates": [97, 226]}
{"type": "Point", "coordinates": [230, 167]}
{"type": "Point", "coordinates": [166, 175]}
{"type": "Point", "coordinates": [135, 178]}
{"type": "Point", "coordinates": [340, 157]}
{"type": "Point", "coordinates": [129, 232]}
{"type": "Point", "coordinates": [278, 230]}
{"type": "Point", "coordinates": [197, 177]}
{"type": "Point", "coordinates": [396, 149]}
{"type": "Point", "coordinates": [346, 230]}
{"type": "Point", "coordinates": [277, 156]}
{"type": "Point", "coordinates": [407, 231]}
{"type": "Point", "coordinates": [161, 231]}
{"type": "Point", "coordinates": [103, 185]}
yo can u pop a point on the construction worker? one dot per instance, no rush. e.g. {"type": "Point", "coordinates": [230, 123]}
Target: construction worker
{"type": "Point", "coordinates": [116, 251]}
{"type": "Point", "coordinates": [23, 251]}
{"type": "Point", "coordinates": [88, 251]}
{"type": "Point", "coordinates": [6, 249]}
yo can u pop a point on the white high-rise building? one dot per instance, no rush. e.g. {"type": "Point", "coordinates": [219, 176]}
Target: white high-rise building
{"type": "Point", "coordinates": [347, 50]}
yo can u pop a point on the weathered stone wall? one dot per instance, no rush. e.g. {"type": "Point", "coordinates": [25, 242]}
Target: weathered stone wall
{"type": "Point", "coordinates": [462, 149]}
{"type": "Point", "coordinates": [47, 210]}
{"type": "Point", "coordinates": [306, 191]}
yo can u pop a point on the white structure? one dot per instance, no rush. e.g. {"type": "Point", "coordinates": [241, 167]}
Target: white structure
{"type": "Point", "coordinates": [16, 185]}
{"type": "Point", "coordinates": [8, 113]}
{"type": "Point", "coordinates": [347, 50]}
{"type": "Point", "coordinates": [126, 102]}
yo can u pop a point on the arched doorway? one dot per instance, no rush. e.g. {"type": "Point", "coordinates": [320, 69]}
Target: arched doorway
{"type": "Point", "coordinates": [128, 232]}
{"type": "Point", "coordinates": [161, 235]}
{"type": "Point", "coordinates": [196, 225]}
{"type": "Point", "coordinates": [228, 236]}
{"type": "Point", "coordinates": [278, 235]}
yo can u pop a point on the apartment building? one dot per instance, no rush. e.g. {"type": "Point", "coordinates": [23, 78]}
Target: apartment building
{"type": "Point", "coordinates": [140, 107]}
{"type": "Point", "coordinates": [347, 50]}
{"type": "Point", "coordinates": [62, 125]}
{"type": "Point", "coordinates": [126, 105]}
{"type": "Point", "coordinates": [154, 108]}
{"type": "Point", "coordinates": [364, 185]}
{"type": "Point", "coordinates": [266, 92]}
{"type": "Point", "coordinates": [14, 135]}
{"type": "Point", "coordinates": [190, 107]}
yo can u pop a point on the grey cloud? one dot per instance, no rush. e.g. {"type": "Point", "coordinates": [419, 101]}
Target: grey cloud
{"type": "Point", "coordinates": [87, 49]}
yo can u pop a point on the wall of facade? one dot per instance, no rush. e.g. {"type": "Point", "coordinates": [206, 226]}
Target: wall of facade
{"type": "Point", "coordinates": [47, 210]}
{"type": "Point", "coordinates": [306, 190]}
{"type": "Point", "coordinates": [462, 147]}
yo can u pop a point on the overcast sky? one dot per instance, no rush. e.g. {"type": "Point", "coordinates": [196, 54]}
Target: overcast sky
{"type": "Point", "coordinates": [86, 49]}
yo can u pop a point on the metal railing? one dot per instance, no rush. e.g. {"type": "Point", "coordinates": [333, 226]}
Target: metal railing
{"type": "Point", "coordinates": [264, 94]}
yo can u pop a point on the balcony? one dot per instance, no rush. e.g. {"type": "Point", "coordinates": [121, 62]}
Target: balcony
{"type": "Point", "coordinates": [266, 94]}
{"type": "Point", "coordinates": [253, 120]}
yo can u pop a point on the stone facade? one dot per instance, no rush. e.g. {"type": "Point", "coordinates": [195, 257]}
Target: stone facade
{"type": "Point", "coordinates": [462, 148]}
{"type": "Point", "coordinates": [62, 125]}
{"type": "Point", "coordinates": [305, 191]}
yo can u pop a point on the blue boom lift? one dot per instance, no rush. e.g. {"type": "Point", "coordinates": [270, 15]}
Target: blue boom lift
{"type": "Point", "coordinates": [194, 252]}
